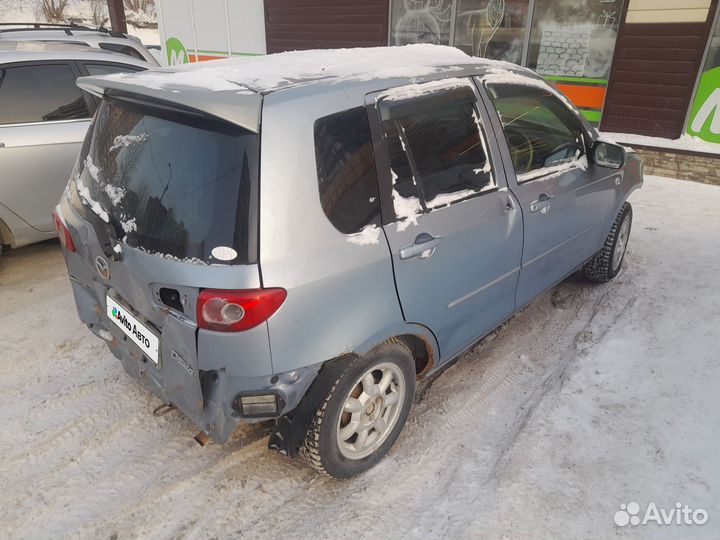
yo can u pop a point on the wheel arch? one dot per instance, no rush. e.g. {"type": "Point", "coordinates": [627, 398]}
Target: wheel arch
{"type": "Point", "coordinates": [291, 428]}
{"type": "Point", "coordinates": [418, 338]}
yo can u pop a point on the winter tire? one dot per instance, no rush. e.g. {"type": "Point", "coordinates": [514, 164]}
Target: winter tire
{"type": "Point", "coordinates": [363, 413]}
{"type": "Point", "coordinates": [607, 262]}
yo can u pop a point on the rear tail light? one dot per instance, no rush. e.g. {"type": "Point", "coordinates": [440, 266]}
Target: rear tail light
{"type": "Point", "coordinates": [235, 311]}
{"type": "Point", "coordinates": [63, 233]}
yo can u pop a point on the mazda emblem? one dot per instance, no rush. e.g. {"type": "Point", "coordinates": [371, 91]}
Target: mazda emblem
{"type": "Point", "coordinates": [102, 267]}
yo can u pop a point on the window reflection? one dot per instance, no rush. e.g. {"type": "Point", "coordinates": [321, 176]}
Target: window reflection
{"type": "Point", "coordinates": [492, 28]}
{"type": "Point", "coordinates": [574, 39]}
{"type": "Point", "coordinates": [420, 21]}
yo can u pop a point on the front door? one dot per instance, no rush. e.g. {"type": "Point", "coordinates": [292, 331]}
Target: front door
{"type": "Point", "coordinates": [454, 229]}
{"type": "Point", "coordinates": [564, 199]}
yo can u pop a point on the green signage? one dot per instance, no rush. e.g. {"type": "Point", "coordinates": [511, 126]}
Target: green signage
{"type": "Point", "coordinates": [177, 54]}
{"type": "Point", "coordinates": [705, 114]}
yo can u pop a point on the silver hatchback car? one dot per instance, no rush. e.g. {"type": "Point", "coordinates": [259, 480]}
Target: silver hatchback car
{"type": "Point", "coordinates": [43, 120]}
{"type": "Point", "coordinates": [300, 237]}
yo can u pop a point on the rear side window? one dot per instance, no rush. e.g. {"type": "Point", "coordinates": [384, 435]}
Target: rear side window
{"type": "Point", "coordinates": [40, 93]}
{"type": "Point", "coordinates": [179, 185]}
{"type": "Point", "coordinates": [122, 49]}
{"type": "Point", "coordinates": [540, 130]}
{"type": "Point", "coordinates": [439, 154]}
{"type": "Point", "coordinates": [346, 170]}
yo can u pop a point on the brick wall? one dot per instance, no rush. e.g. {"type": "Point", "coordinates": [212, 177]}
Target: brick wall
{"type": "Point", "coordinates": [703, 168]}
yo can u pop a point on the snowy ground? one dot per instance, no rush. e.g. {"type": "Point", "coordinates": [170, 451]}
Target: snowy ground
{"type": "Point", "coordinates": [593, 396]}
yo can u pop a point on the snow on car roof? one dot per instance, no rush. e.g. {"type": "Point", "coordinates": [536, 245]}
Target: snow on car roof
{"type": "Point", "coordinates": [277, 71]}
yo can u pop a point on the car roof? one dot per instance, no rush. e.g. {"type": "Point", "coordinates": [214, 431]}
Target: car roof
{"type": "Point", "coordinates": [238, 84]}
{"type": "Point", "coordinates": [28, 51]}
{"type": "Point", "coordinates": [270, 73]}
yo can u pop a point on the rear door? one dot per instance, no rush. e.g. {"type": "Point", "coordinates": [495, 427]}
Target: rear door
{"type": "Point", "coordinates": [564, 199]}
{"type": "Point", "coordinates": [43, 119]}
{"type": "Point", "coordinates": [452, 225]}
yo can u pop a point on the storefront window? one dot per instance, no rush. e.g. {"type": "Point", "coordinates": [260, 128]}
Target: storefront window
{"type": "Point", "coordinates": [704, 119]}
{"type": "Point", "coordinates": [570, 42]}
{"type": "Point", "coordinates": [570, 38]}
{"type": "Point", "coordinates": [420, 21]}
{"type": "Point", "coordinates": [492, 28]}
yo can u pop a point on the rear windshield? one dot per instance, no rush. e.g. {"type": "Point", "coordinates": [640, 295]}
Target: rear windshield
{"type": "Point", "coordinates": [180, 185]}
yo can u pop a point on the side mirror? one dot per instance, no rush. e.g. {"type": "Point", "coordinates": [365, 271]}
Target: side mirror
{"type": "Point", "coordinates": [605, 154]}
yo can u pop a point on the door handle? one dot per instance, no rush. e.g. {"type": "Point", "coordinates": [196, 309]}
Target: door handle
{"type": "Point", "coordinates": [542, 204]}
{"type": "Point", "coordinates": [423, 247]}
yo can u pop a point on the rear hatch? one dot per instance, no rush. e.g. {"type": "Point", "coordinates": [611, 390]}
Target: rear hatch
{"type": "Point", "coordinates": [168, 197]}
{"type": "Point", "coordinates": [171, 182]}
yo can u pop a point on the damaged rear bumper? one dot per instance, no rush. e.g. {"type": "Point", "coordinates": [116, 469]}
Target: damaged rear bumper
{"type": "Point", "coordinates": [216, 400]}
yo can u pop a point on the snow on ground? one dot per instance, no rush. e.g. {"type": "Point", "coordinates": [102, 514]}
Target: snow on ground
{"type": "Point", "coordinates": [592, 397]}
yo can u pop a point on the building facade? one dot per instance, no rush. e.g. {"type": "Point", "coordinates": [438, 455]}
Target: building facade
{"type": "Point", "coordinates": [650, 67]}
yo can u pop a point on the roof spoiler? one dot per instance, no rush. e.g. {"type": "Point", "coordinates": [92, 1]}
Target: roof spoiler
{"type": "Point", "coordinates": [241, 109]}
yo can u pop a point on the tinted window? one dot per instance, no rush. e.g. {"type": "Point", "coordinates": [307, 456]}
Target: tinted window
{"type": "Point", "coordinates": [346, 170]}
{"type": "Point", "coordinates": [540, 130]}
{"type": "Point", "coordinates": [40, 93]}
{"type": "Point", "coordinates": [443, 150]}
{"type": "Point", "coordinates": [123, 49]}
{"type": "Point", "coordinates": [107, 69]}
{"type": "Point", "coordinates": [171, 183]}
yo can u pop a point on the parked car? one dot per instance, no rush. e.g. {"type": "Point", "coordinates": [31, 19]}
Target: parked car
{"type": "Point", "coordinates": [98, 38]}
{"type": "Point", "coordinates": [393, 207]}
{"type": "Point", "coordinates": [43, 119]}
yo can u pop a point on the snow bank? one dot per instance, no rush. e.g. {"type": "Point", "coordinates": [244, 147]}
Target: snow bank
{"type": "Point", "coordinates": [685, 142]}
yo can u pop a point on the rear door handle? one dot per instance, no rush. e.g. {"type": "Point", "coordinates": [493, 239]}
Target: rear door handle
{"type": "Point", "coordinates": [423, 247]}
{"type": "Point", "coordinates": [542, 204]}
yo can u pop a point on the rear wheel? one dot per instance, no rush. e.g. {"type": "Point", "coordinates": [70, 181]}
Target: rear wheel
{"type": "Point", "coordinates": [606, 263]}
{"type": "Point", "coordinates": [363, 413]}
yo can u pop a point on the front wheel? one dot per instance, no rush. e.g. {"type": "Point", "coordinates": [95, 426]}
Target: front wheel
{"type": "Point", "coordinates": [363, 413]}
{"type": "Point", "coordinates": [606, 263]}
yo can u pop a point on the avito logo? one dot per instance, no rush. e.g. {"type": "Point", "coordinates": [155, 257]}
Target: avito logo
{"type": "Point", "coordinates": [629, 514]}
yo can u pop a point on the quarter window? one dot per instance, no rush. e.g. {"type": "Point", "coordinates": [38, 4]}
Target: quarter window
{"type": "Point", "coordinates": [346, 170]}
{"type": "Point", "coordinates": [540, 130]}
{"type": "Point", "coordinates": [122, 49]}
{"type": "Point", "coordinates": [439, 154]}
{"type": "Point", "coordinates": [40, 93]}
{"type": "Point", "coordinates": [107, 69]}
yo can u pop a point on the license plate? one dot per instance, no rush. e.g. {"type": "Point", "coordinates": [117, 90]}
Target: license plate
{"type": "Point", "coordinates": [134, 329]}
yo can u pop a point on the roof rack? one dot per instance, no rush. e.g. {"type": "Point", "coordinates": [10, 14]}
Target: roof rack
{"type": "Point", "coordinates": [56, 26]}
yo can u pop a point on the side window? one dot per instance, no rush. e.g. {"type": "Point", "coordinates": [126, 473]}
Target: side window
{"type": "Point", "coordinates": [107, 69]}
{"type": "Point", "coordinates": [438, 153]}
{"type": "Point", "coordinates": [540, 130]}
{"type": "Point", "coordinates": [346, 170]}
{"type": "Point", "coordinates": [40, 93]}
{"type": "Point", "coordinates": [122, 49]}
